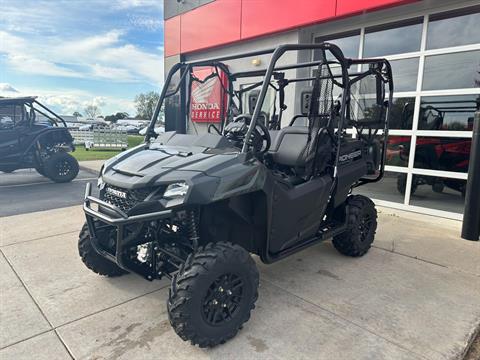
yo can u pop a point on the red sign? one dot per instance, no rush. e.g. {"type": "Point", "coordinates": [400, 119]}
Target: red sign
{"type": "Point", "coordinates": [207, 97]}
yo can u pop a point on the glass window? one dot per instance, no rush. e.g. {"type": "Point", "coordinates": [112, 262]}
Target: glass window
{"type": "Point", "coordinates": [398, 150]}
{"type": "Point", "coordinates": [348, 43]}
{"type": "Point", "coordinates": [401, 113]}
{"type": "Point", "coordinates": [397, 39]}
{"type": "Point", "coordinates": [390, 188]}
{"type": "Point", "coordinates": [452, 71]}
{"type": "Point", "coordinates": [405, 73]}
{"type": "Point", "coordinates": [446, 31]}
{"type": "Point", "coordinates": [438, 193]}
{"type": "Point", "coordinates": [454, 113]}
{"type": "Point", "coordinates": [442, 153]}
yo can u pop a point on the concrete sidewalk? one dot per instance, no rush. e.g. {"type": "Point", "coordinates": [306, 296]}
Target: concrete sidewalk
{"type": "Point", "coordinates": [414, 296]}
{"type": "Point", "coordinates": [92, 166]}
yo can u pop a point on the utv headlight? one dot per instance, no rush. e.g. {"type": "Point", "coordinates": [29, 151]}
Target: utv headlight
{"type": "Point", "coordinates": [175, 191]}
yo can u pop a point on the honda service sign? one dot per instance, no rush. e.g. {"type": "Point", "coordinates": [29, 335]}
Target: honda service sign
{"type": "Point", "coordinates": [208, 97]}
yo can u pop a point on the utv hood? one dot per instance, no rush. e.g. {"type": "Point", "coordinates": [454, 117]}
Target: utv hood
{"type": "Point", "coordinates": [170, 159]}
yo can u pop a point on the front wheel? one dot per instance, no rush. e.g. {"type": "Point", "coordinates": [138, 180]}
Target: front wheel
{"type": "Point", "coordinates": [61, 167]}
{"type": "Point", "coordinates": [361, 227]}
{"type": "Point", "coordinates": [94, 261]}
{"type": "Point", "coordinates": [213, 294]}
{"type": "Point", "coordinates": [41, 170]}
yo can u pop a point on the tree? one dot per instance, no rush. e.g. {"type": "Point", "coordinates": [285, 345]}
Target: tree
{"type": "Point", "coordinates": [145, 104]}
{"type": "Point", "coordinates": [77, 114]}
{"type": "Point", "coordinates": [114, 117]}
{"type": "Point", "coordinates": [92, 111]}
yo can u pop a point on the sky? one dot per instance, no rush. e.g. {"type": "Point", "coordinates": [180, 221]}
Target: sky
{"type": "Point", "coordinates": [75, 53]}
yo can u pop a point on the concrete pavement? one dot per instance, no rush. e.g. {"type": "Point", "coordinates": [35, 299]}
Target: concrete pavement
{"type": "Point", "coordinates": [414, 296]}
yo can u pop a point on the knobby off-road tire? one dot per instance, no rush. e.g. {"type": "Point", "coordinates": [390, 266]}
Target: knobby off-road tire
{"type": "Point", "coordinates": [61, 167]}
{"type": "Point", "coordinates": [213, 293]}
{"type": "Point", "coordinates": [361, 223]}
{"type": "Point", "coordinates": [92, 260]}
{"type": "Point", "coordinates": [402, 184]}
{"type": "Point", "coordinates": [40, 170]}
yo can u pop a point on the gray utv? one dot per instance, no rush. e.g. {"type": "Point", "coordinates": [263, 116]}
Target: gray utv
{"type": "Point", "coordinates": [193, 208]}
{"type": "Point", "coordinates": [33, 136]}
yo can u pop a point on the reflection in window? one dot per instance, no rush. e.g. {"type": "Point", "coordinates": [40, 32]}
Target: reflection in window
{"type": "Point", "coordinates": [348, 43]}
{"type": "Point", "coordinates": [454, 113]}
{"type": "Point", "coordinates": [438, 193]}
{"type": "Point", "coordinates": [405, 74]}
{"type": "Point", "coordinates": [397, 40]}
{"type": "Point", "coordinates": [401, 111]}
{"type": "Point", "coordinates": [390, 188]}
{"type": "Point", "coordinates": [446, 31]}
{"type": "Point", "coordinates": [452, 71]}
{"type": "Point", "coordinates": [398, 150]}
{"type": "Point", "coordinates": [442, 153]}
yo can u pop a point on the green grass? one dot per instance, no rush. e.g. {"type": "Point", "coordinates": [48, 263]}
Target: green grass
{"type": "Point", "coordinates": [81, 154]}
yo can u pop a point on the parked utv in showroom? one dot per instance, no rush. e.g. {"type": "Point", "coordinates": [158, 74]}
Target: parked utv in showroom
{"type": "Point", "coordinates": [28, 142]}
{"type": "Point", "coordinates": [193, 208]}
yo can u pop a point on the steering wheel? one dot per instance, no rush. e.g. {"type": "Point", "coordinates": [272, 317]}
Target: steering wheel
{"type": "Point", "coordinates": [261, 135]}
{"type": "Point", "coordinates": [260, 138]}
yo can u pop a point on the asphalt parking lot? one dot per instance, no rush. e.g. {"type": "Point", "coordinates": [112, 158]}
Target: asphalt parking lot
{"type": "Point", "coordinates": [26, 191]}
{"type": "Point", "coordinates": [413, 296]}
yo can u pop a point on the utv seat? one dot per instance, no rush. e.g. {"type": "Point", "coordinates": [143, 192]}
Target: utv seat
{"type": "Point", "coordinates": [289, 147]}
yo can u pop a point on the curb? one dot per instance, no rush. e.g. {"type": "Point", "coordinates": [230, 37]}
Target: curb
{"type": "Point", "coordinates": [89, 170]}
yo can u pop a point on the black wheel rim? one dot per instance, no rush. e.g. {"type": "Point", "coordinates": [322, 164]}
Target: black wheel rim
{"type": "Point", "coordinates": [63, 168]}
{"type": "Point", "coordinates": [223, 299]}
{"type": "Point", "coordinates": [364, 226]}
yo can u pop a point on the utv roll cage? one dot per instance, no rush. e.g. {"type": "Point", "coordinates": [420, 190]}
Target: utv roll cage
{"type": "Point", "coordinates": [33, 106]}
{"type": "Point", "coordinates": [376, 127]}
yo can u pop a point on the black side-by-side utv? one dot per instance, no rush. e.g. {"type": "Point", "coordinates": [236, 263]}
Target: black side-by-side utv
{"type": "Point", "coordinates": [31, 137]}
{"type": "Point", "coordinates": [193, 208]}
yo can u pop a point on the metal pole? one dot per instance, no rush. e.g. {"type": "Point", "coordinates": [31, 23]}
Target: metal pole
{"type": "Point", "coordinates": [471, 215]}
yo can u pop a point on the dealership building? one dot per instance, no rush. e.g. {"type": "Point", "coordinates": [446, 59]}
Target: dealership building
{"type": "Point", "coordinates": [434, 50]}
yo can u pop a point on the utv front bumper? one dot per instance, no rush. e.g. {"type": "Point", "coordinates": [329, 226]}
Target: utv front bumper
{"type": "Point", "coordinates": [119, 221]}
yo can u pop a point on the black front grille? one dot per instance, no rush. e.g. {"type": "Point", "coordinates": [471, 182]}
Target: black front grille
{"type": "Point", "coordinates": [133, 197]}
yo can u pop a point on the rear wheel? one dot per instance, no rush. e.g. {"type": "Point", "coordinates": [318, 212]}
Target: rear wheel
{"type": "Point", "coordinates": [213, 294]}
{"type": "Point", "coordinates": [438, 186]}
{"type": "Point", "coordinates": [94, 261]}
{"type": "Point", "coordinates": [361, 227]}
{"type": "Point", "coordinates": [402, 183]}
{"type": "Point", "coordinates": [61, 167]}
